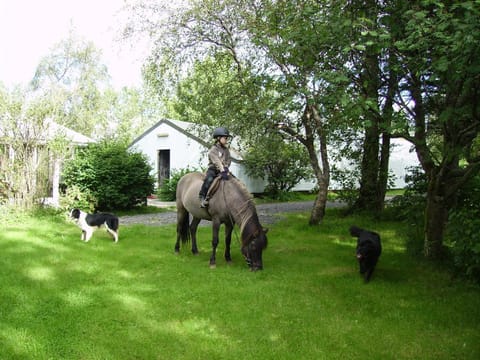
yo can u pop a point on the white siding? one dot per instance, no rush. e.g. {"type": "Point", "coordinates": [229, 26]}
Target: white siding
{"type": "Point", "coordinates": [184, 151]}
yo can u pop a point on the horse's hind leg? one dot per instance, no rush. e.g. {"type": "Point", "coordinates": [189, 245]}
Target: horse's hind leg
{"type": "Point", "coordinates": [228, 241]}
{"type": "Point", "coordinates": [215, 228]}
{"type": "Point", "coordinates": [193, 234]}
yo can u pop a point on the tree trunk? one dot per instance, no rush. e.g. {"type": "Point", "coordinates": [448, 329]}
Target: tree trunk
{"type": "Point", "coordinates": [383, 173]}
{"type": "Point", "coordinates": [369, 86]}
{"type": "Point", "coordinates": [386, 124]}
{"type": "Point", "coordinates": [367, 197]}
{"type": "Point", "coordinates": [322, 173]}
{"type": "Point", "coordinates": [436, 215]}
{"type": "Point", "coordinates": [318, 211]}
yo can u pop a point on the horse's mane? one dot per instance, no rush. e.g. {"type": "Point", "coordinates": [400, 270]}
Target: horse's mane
{"type": "Point", "coordinates": [246, 211]}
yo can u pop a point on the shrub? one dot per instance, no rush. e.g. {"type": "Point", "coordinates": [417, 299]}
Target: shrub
{"type": "Point", "coordinates": [282, 164]}
{"type": "Point", "coordinates": [167, 192]}
{"type": "Point", "coordinates": [463, 233]}
{"type": "Point", "coordinates": [410, 208]}
{"type": "Point", "coordinates": [74, 197]}
{"type": "Point", "coordinates": [110, 174]}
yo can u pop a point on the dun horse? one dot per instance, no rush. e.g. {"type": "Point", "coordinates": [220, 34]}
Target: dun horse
{"type": "Point", "coordinates": [231, 204]}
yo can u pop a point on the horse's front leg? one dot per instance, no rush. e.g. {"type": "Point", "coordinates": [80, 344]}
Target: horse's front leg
{"type": "Point", "coordinates": [193, 234]}
{"type": "Point", "coordinates": [228, 241]}
{"type": "Point", "coordinates": [215, 229]}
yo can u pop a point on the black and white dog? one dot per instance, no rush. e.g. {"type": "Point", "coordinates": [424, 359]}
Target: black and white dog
{"type": "Point", "coordinates": [90, 222]}
{"type": "Point", "coordinates": [368, 251]}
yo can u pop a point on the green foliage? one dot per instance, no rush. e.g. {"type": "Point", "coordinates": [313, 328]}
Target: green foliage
{"type": "Point", "coordinates": [167, 192]}
{"type": "Point", "coordinates": [282, 164]}
{"type": "Point", "coordinates": [347, 180]}
{"type": "Point", "coordinates": [464, 231]}
{"type": "Point", "coordinates": [113, 176]}
{"type": "Point", "coordinates": [75, 197]}
{"type": "Point", "coordinates": [410, 208]}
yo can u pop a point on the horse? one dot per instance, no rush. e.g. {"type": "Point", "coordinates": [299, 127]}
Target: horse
{"type": "Point", "coordinates": [231, 204]}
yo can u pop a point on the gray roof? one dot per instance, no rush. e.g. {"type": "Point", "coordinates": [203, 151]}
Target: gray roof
{"type": "Point", "coordinates": [54, 129]}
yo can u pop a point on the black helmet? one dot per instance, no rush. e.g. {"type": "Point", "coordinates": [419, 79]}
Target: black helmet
{"type": "Point", "coordinates": [221, 131]}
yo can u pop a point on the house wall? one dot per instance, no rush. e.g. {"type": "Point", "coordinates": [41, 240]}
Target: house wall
{"type": "Point", "coordinates": [184, 151]}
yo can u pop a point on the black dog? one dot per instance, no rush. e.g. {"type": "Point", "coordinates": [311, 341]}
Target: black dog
{"type": "Point", "coordinates": [369, 249]}
{"type": "Point", "coordinates": [89, 222]}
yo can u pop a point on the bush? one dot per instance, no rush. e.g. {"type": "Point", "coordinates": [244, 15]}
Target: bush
{"type": "Point", "coordinates": [76, 198]}
{"type": "Point", "coordinates": [463, 233]}
{"type": "Point", "coordinates": [110, 174]}
{"type": "Point", "coordinates": [167, 192]}
{"type": "Point", "coordinates": [410, 208]}
{"type": "Point", "coordinates": [282, 164]}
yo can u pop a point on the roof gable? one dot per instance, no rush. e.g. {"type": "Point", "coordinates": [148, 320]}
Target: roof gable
{"type": "Point", "coordinates": [184, 128]}
{"type": "Point", "coordinates": [181, 126]}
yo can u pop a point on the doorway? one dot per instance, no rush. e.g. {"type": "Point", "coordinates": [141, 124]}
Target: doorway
{"type": "Point", "coordinates": [163, 166]}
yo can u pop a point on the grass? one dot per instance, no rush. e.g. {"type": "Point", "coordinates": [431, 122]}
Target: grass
{"type": "Point", "coordinates": [65, 299]}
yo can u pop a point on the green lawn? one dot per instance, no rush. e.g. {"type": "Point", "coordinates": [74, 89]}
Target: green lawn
{"type": "Point", "coordinates": [65, 299]}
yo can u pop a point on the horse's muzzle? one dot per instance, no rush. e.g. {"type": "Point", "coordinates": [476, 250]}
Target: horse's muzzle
{"type": "Point", "coordinates": [252, 266]}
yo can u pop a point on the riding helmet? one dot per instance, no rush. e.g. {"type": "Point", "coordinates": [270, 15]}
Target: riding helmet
{"type": "Point", "coordinates": [221, 131]}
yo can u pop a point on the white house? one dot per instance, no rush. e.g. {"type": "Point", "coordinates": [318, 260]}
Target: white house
{"type": "Point", "coordinates": [172, 145]}
{"type": "Point", "coordinates": [40, 154]}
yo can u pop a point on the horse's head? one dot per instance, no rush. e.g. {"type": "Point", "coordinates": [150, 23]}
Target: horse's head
{"type": "Point", "coordinates": [252, 251]}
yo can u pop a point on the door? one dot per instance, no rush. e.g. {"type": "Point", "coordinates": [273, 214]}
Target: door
{"type": "Point", "coordinates": [163, 166]}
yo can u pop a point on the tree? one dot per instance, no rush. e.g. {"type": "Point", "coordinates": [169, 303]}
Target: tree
{"type": "Point", "coordinates": [439, 99]}
{"type": "Point", "coordinates": [74, 77]}
{"type": "Point", "coordinates": [287, 59]}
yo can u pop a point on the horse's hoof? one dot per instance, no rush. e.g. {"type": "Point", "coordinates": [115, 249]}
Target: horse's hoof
{"type": "Point", "coordinates": [213, 266]}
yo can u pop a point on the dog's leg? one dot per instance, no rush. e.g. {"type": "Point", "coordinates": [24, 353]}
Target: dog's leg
{"type": "Point", "coordinates": [113, 233]}
{"type": "Point", "coordinates": [88, 234]}
{"type": "Point", "coordinates": [368, 275]}
{"type": "Point", "coordinates": [82, 237]}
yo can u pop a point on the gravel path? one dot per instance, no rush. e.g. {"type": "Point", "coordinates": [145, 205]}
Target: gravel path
{"type": "Point", "coordinates": [267, 213]}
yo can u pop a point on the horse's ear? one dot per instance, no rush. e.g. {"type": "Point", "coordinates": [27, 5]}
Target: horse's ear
{"type": "Point", "coordinates": [265, 230]}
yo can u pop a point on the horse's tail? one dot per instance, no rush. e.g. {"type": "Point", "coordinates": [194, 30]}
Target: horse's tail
{"type": "Point", "coordinates": [183, 228]}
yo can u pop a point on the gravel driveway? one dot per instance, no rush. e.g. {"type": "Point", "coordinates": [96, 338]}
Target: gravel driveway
{"type": "Point", "coordinates": [267, 213]}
